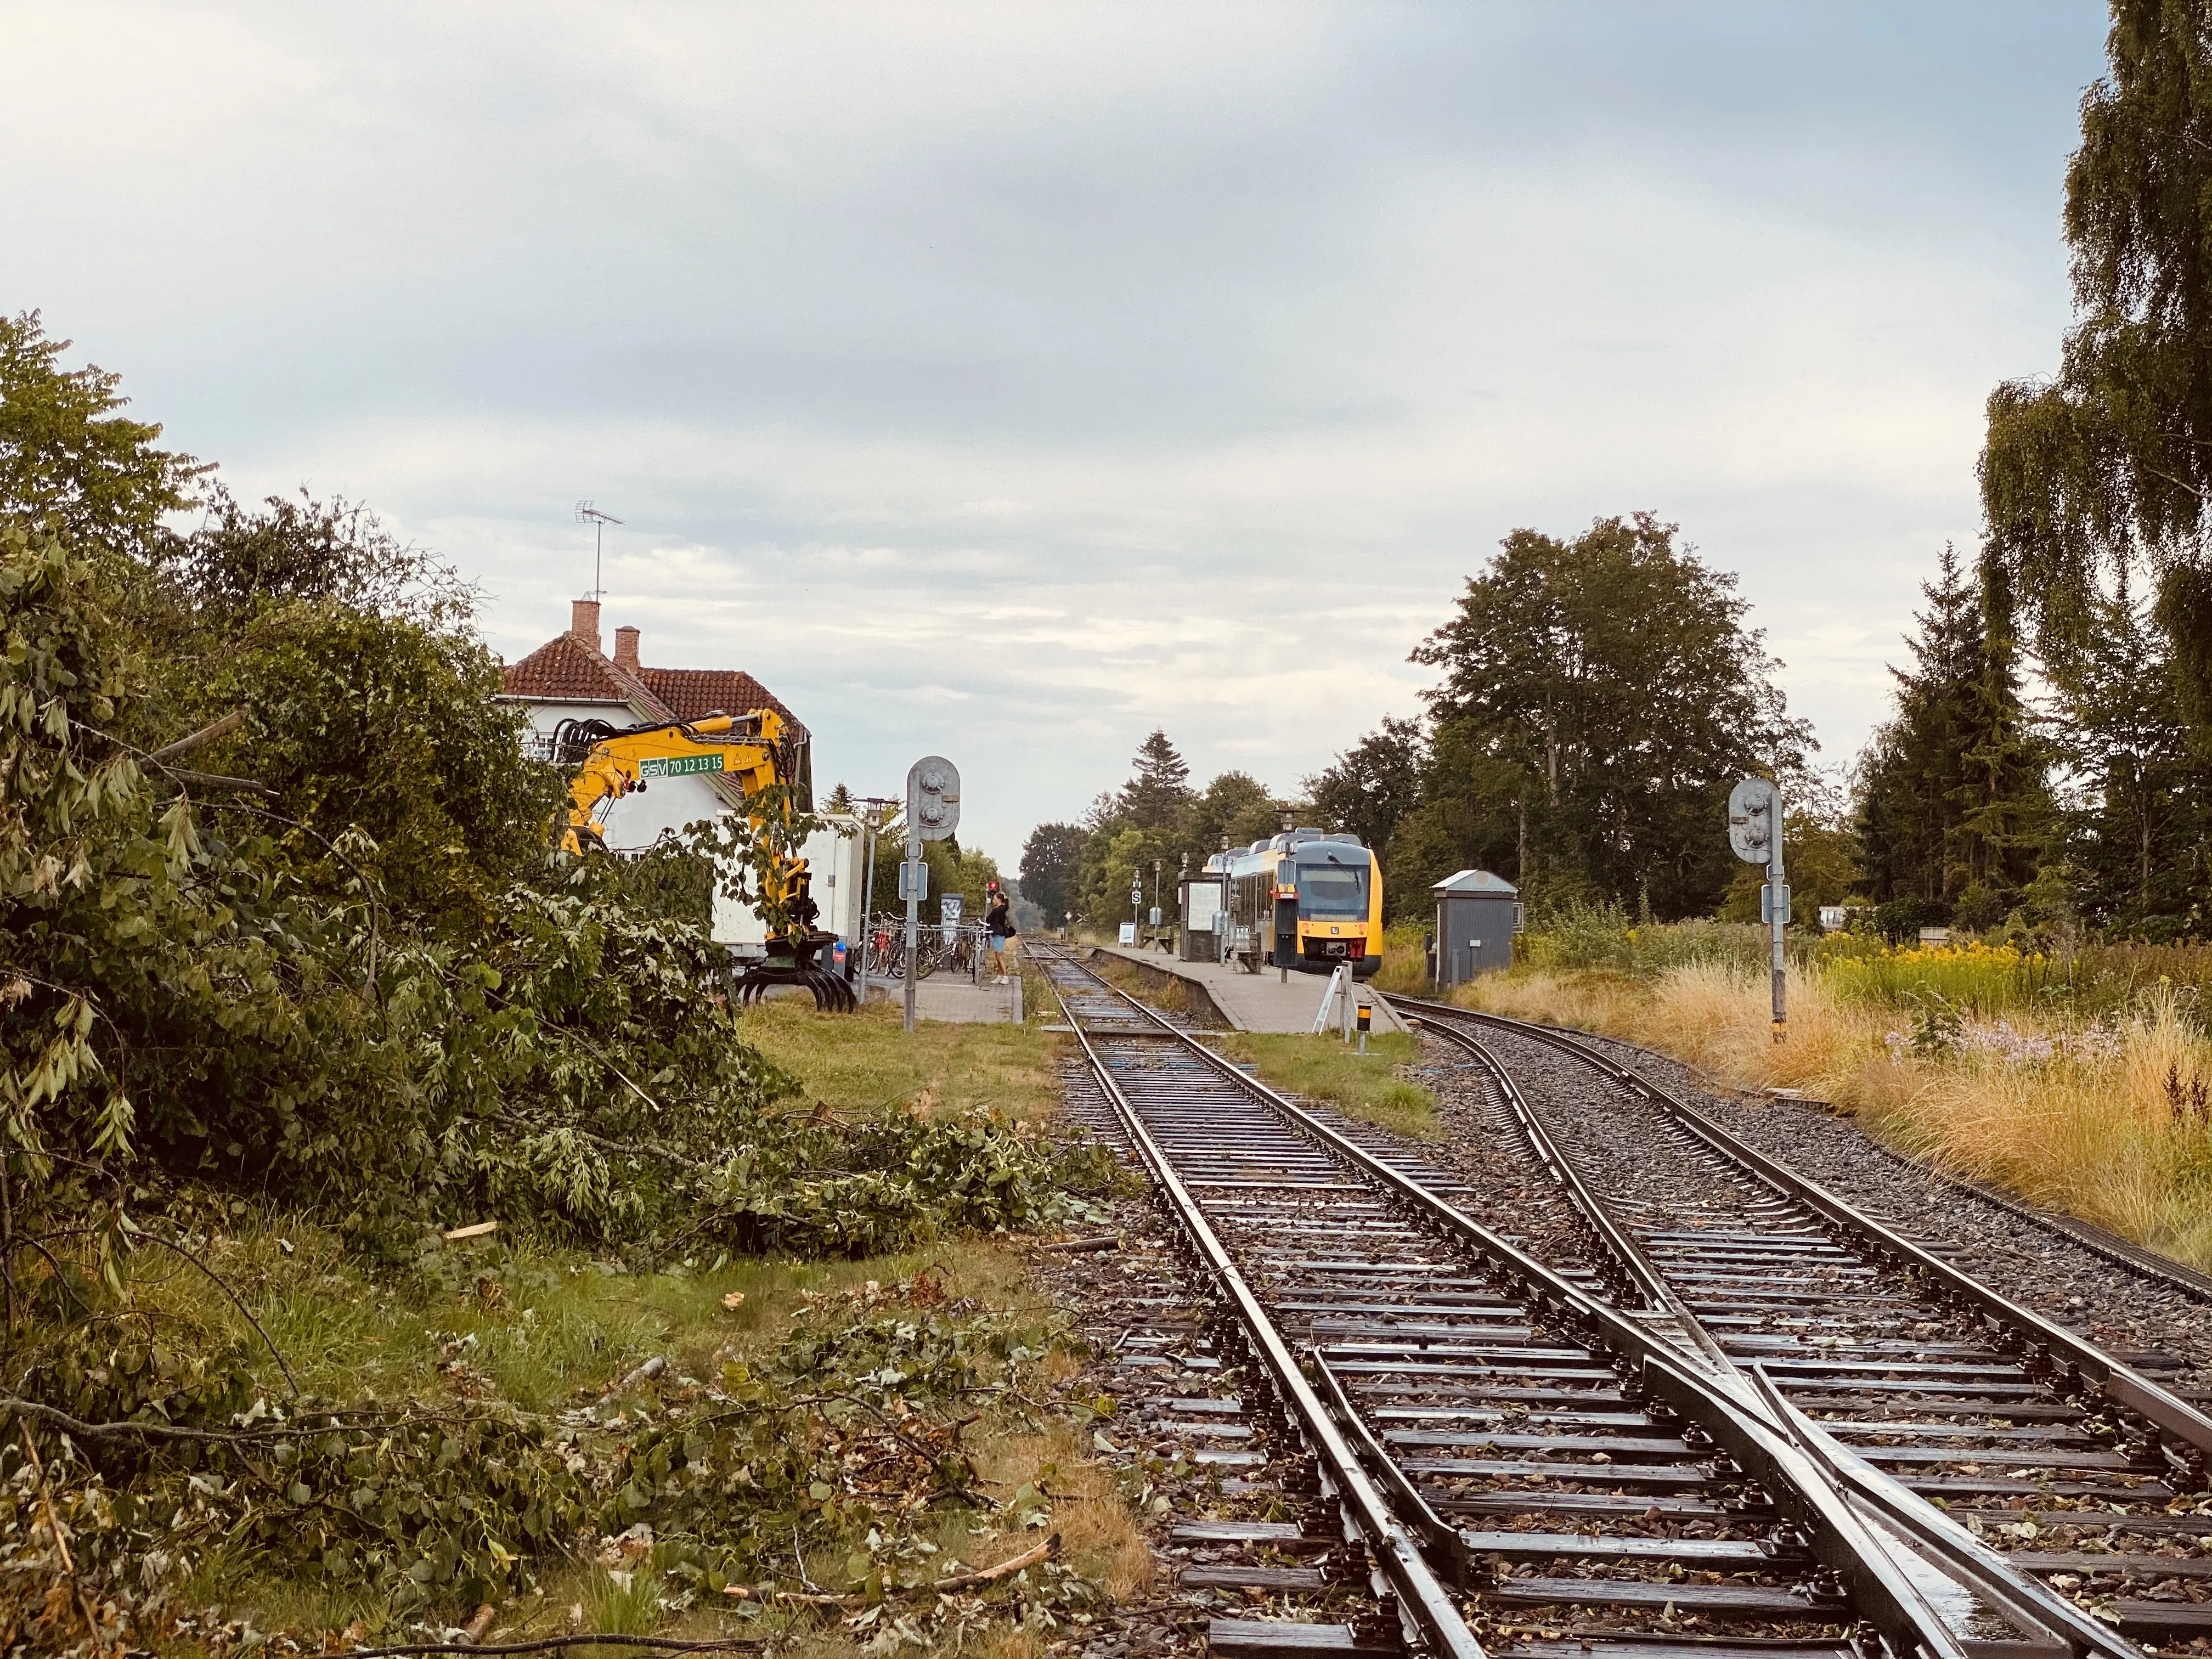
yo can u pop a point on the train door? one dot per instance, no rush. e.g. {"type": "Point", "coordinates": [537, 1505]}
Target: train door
{"type": "Point", "coordinates": [1249, 920]}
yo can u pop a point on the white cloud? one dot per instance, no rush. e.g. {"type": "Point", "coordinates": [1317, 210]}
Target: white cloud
{"type": "Point", "coordinates": [1003, 381]}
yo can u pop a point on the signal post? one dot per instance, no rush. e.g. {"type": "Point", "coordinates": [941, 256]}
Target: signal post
{"type": "Point", "coordinates": [932, 812]}
{"type": "Point", "coordinates": [1755, 834]}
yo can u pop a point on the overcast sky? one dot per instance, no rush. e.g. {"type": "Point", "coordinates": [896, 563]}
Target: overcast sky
{"type": "Point", "coordinates": [1005, 381]}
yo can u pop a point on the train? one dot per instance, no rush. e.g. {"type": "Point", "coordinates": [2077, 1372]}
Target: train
{"type": "Point", "coordinates": [1308, 899]}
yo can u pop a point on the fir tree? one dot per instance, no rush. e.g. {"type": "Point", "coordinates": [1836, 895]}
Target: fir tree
{"type": "Point", "coordinates": [1160, 788]}
{"type": "Point", "coordinates": [2134, 817]}
{"type": "Point", "coordinates": [1951, 795]}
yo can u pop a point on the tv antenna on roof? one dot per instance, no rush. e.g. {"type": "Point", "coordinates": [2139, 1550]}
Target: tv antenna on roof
{"type": "Point", "coordinates": [587, 513]}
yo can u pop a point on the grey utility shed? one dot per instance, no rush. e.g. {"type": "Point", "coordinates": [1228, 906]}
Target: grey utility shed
{"type": "Point", "coordinates": [1477, 915]}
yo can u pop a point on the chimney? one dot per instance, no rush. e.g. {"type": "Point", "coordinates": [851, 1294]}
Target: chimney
{"type": "Point", "coordinates": [626, 647]}
{"type": "Point", "coordinates": [584, 621]}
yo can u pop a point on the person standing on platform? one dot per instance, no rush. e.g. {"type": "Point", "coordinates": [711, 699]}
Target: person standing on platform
{"type": "Point", "coordinates": [999, 922]}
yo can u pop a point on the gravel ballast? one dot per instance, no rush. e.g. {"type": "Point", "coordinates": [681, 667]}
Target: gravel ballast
{"type": "Point", "coordinates": [2118, 1307]}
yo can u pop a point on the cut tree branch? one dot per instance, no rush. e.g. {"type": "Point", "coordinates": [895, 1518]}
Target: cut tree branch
{"type": "Point", "coordinates": [246, 1313]}
{"type": "Point", "coordinates": [1005, 1569]}
{"type": "Point", "coordinates": [199, 740]}
{"type": "Point", "coordinates": [217, 781]}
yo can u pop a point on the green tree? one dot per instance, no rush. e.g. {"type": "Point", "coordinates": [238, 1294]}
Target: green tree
{"type": "Point", "coordinates": [2133, 832]}
{"type": "Point", "coordinates": [1235, 807]}
{"type": "Point", "coordinates": [1599, 696]}
{"type": "Point", "coordinates": [70, 465]}
{"type": "Point", "coordinates": [2111, 461]}
{"type": "Point", "coordinates": [1051, 864]}
{"type": "Point", "coordinates": [1159, 788]}
{"type": "Point", "coordinates": [1953, 801]}
{"type": "Point", "coordinates": [1368, 789]}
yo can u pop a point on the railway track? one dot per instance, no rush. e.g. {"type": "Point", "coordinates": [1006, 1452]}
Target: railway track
{"type": "Point", "coordinates": [1524, 1458]}
{"type": "Point", "coordinates": [2078, 1468]}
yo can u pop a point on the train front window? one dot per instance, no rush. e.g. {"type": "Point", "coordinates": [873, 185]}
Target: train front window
{"type": "Point", "coordinates": [1332, 891]}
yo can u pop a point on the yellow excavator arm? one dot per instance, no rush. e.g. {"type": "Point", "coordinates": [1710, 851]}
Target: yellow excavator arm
{"type": "Point", "coordinates": [747, 749]}
{"type": "Point", "coordinates": [752, 751]}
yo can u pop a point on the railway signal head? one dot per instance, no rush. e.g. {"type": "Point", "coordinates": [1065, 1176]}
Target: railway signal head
{"type": "Point", "coordinates": [1751, 816]}
{"type": "Point", "coordinates": [932, 797]}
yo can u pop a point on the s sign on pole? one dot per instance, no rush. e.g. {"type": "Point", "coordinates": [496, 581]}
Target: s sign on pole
{"type": "Point", "coordinates": [1755, 834]}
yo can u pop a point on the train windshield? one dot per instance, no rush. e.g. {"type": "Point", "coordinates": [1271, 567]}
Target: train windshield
{"type": "Point", "coordinates": [1333, 891]}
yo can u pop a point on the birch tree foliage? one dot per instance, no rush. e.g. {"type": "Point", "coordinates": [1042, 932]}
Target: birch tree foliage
{"type": "Point", "coordinates": [2110, 462]}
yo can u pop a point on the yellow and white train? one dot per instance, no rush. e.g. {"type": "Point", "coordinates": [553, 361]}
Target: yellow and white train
{"type": "Point", "coordinates": [1306, 899]}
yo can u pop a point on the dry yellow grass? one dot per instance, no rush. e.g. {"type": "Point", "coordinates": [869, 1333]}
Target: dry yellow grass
{"type": "Point", "coordinates": [2115, 1132]}
{"type": "Point", "coordinates": [1100, 1534]}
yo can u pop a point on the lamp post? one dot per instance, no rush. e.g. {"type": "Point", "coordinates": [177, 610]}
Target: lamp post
{"type": "Point", "coordinates": [871, 823]}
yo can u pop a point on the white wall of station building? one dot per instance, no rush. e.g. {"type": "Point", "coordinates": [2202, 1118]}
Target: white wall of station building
{"type": "Point", "coordinates": [636, 821]}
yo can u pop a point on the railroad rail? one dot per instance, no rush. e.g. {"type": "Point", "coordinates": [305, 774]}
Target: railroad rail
{"type": "Point", "coordinates": [1935, 1385]}
{"type": "Point", "coordinates": [2121, 1253]}
{"type": "Point", "coordinates": [1534, 1459]}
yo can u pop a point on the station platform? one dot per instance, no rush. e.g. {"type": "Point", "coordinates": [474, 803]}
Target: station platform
{"type": "Point", "coordinates": [1253, 1002]}
{"type": "Point", "coordinates": [951, 998]}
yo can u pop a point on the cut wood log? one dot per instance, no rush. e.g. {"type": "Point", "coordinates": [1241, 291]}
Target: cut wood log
{"type": "Point", "coordinates": [644, 1373]}
{"type": "Point", "coordinates": [1005, 1569]}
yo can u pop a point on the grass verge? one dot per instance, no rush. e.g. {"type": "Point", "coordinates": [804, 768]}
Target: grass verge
{"type": "Point", "coordinates": [1405, 969]}
{"type": "Point", "coordinates": [561, 1337]}
{"type": "Point", "coordinates": [1325, 1067]}
{"type": "Point", "coordinates": [865, 1062]}
{"type": "Point", "coordinates": [549, 1329]}
{"type": "Point", "coordinates": [2107, 1121]}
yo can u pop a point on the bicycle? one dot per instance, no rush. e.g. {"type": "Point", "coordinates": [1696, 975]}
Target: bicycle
{"type": "Point", "coordinates": [886, 950]}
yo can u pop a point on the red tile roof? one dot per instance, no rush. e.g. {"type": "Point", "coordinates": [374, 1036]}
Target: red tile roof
{"type": "Point", "coordinates": [567, 668]}
{"type": "Point", "coordinates": [570, 669]}
{"type": "Point", "coordinates": [690, 692]}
